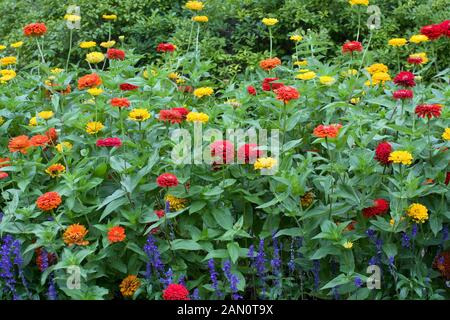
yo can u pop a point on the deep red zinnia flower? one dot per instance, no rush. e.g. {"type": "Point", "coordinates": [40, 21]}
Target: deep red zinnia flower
{"type": "Point", "coordinates": [165, 47]}
{"type": "Point", "coordinates": [167, 180]}
{"type": "Point", "coordinates": [34, 29]}
{"type": "Point", "coordinates": [414, 60]}
{"type": "Point", "coordinates": [379, 208]}
{"type": "Point", "coordinates": [127, 87]}
{"type": "Point", "coordinates": [249, 152]}
{"type": "Point", "coordinates": [268, 84]}
{"type": "Point", "coordinates": [286, 94]}
{"type": "Point", "coordinates": [224, 150]}
{"type": "Point", "coordinates": [352, 46]}
{"type": "Point", "coordinates": [170, 115]}
{"type": "Point", "coordinates": [403, 94]}
{"type": "Point", "coordinates": [428, 110]}
{"type": "Point", "coordinates": [183, 111]}
{"type": "Point", "coordinates": [120, 102]}
{"type": "Point", "coordinates": [115, 54]}
{"type": "Point", "coordinates": [405, 79]}
{"type": "Point", "coordinates": [176, 292]}
{"type": "Point", "coordinates": [251, 90]}
{"type": "Point", "coordinates": [382, 153]}
{"type": "Point", "coordinates": [109, 142]}
{"type": "Point", "coordinates": [432, 31]}
{"type": "Point", "coordinates": [445, 28]}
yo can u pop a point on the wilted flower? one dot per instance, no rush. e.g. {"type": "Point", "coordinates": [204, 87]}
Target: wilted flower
{"type": "Point", "coordinates": [129, 286]}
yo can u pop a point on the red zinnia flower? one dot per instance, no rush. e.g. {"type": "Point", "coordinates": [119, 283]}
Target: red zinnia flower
{"type": "Point", "coordinates": [445, 27]}
{"type": "Point", "coordinates": [116, 234]}
{"type": "Point", "coordinates": [115, 54]}
{"type": "Point", "coordinates": [166, 180]}
{"type": "Point", "coordinates": [35, 29]}
{"type": "Point", "coordinates": [351, 46]}
{"type": "Point", "coordinates": [128, 87]}
{"type": "Point", "coordinates": [405, 79]}
{"type": "Point", "coordinates": [183, 111]}
{"type": "Point", "coordinates": [432, 31]}
{"type": "Point", "coordinates": [248, 153]}
{"type": "Point", "coordinates": [39, 141]}
{"type": "Point", "coordinates": [109, 142]}
{"type": "Point", "coordinates": [170, 115]}
{"type": "Point", "coordinates": [223, 149]}
{"type": "Point", "coordinates": [428, 110]}
{"type": "Point", "coordinates": [327, 131]}
{"type": "Point", "coordinates": [176, 292]}
{"type": "Point", "coordinates": [268, 84]}
{"type": "Point", "coordinates": [52, 135]}
{"type": "Point", "coordinates": [3, 175]}
{"type": "Point", "coordinates": [49, 201]}
{"type": "Point", "coordinates": [89, 81]}
{"type": "Point", "coordinates": [403, 94]}
{"type": "Point", "coordinates": [382, 153]}
{"type": "Point", "coordinates": [165, 47]}
{"type": "Point", "coordinates": [251, 90]}
{"type": "Point", "coordinates": [120, 102]}
{"type": "Point", "coordinates": [287, 94]}
{"type": "Point", "coordinates": [414, 60]}
{"type": "Point", "coordinates": [380, 207]}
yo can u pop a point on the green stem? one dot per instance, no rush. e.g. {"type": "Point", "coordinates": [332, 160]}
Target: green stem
{"type": "Point", "coordinates": [190, 36]}
{"type": "Point", "coordinates": [270, 39]}
{"type": "Point", "coordinates": [40, 51]}
{"type": "Point", "coordinates": [70, 49]}
{"type": "Point", "coordinates": [196, 41]}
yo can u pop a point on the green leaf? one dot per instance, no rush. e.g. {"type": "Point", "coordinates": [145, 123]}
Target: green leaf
{"type": "Point", "coordinates": [233, 250]}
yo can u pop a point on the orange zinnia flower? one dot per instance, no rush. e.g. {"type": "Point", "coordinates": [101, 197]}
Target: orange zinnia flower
{"type": "Point", "coordinates": [39, 141]}
{"type": "Point", "coordinates": [75, 234]}
{"type": "Point", "coordinates": [52, 135]}
{"type": "Point", "coordinates": [330, 131]}
{"type": "Point", "coordinates": [89, 81]}
{"type": "Point", "coordinates": [116, 234]}
{"type": "Point", "coordinates": [49, 201]}
{"type": "Point", "coordinates": [269, 64]}
{"type": "Point", "coordinates": [19, 144]}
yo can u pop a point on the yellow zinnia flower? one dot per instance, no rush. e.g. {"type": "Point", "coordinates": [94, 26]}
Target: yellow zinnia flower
{"type": "Point", "coordinates": [17, 44]}
{"type": "Point", "coordinates": [446, 134]}
{"type": "Point", "coordinates": [301, 63]}
{"type": "Point", "coordinates": [108, 44]}
{"type": "Point", "coordinates": [418, 38]}
{"type": "Point", "coordinates": [264, 163]}
{"type": "Point", "coordinates": [194, 5]}
{"type": "Point", "coordinates": [7, 75]}
{"type": "Point", "coordinates": [380, 77]}
{"type": "Point", "coordinates": [397, 42]}
{"type": "Point", "coordinates": [200, 19]}
{"type": "Point", "coordinates": [109, 17]}
{"type": "Point", "coordinates": [87, 44]}
{"type": "Point", "coordinates": [403, 157]}
{"type": "Point", "coordinates": [421, 55]}
{"type": "Point", "coordinates": [203, 91]}
{"type": "Point", "coordinates": [129, 286]}
{"type": "Point", "coordinates": [306, 76]}
{"type": "Point", "coordinates": [139, 115]}
{"type": "Point", "coordinates": [64, 146]}
{"type": "Point", "coordinates": [175, 203]}
{"type": "Point", "coordinates": [95, 57]}
{"type": "Point", "coordinates": [270, 21]}
{"type": "Point", "coordinates": [55, 170]}
{"type": "Point", "coordinates": [93, 127]}
{"type": "Point", "coordinates": [348, 245]}
{"type": "Point", "coordinates": [72, 17]}
{"type": "Point", "coordinates": [197, 117]}
{"type": "Point", "coordinates": [327, 80]}
{"type": "Point", "coordinates": [6, 61]}
{"type": "Point", "coordinates": [95, 91]}
{"type": "Point", "coordinates": [33, 122]}
{"type": "Point", "coordinates": [45, 114]}
{"type": "Point", "coordinates": [296, 38]}
{"type": "Point", "coordinates": [359, 2]}
{"type": "Point", "coordinates": [377, 67]}
{"type": "Point", "coordinates": [418, 212]}
{"type": "Point", "coordinates": [2, 47]}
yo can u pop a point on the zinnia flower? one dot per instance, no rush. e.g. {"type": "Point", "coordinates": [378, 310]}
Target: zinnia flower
{"type": "Point", "coordinates": [194, 5]}
{"type": "Point", "coordinates": [64, 146]}
{"type": "Point", "coordinates": [139, 115]}
{"type": "Point", "coordinates": [175, 203]}
{"type": "Point", "coordinates": [183, 111]}
{"type": "Point", "coordinates": [34, 29]}
{"type": "Point", "coordinates": [165, 47]}
{"type": "Point", "coordinates": [309, 75]}
{"type": "Point", "coordinates": [52, 135]}
{"type": "Point", "coordinates": [352, 46]}
{"type": "Point", "coordinates": [167, 180]}
{"type": "Point", "coordinates": [405, 79]}
{"type": "Point", "coordinates": [115, 54]}
{"type": "Point", "coordinates": [397, 42]}
{"type": "Point", "coordinates": [108, 44]}
{"type": "Point", "coordinates": [380, 78]}
{"type": "Point", "coordinates": [120, 102]}
{"type": "Point", "coordinates": [307, 199]}
{"type": "Point", "coordinates": [401, 157]}
{"type": "Point", "coordinates": [446, 134]}
{"type": "Point", "coordinates": [94, 127]}
{"type": "Point", "coordinates": [17, 44]}
{"type": "Point", "coordinates": [39, 141]}
{"type": "Point", "coordinates": [223, 150]}
{"type": "Point", "coordinates": [201, 19]}
{"type": "Point", "coordinates": [348, 245]}
{"type": "Point", "coordinates": [95, 91]}
{"type": "Point", "coordinates": [270, 21]}
{"type": "Point", "coordinates": [55, 170]}
{"type": "Point", "coordinates": [203, 91]}
{"type": "Point", "coordinates": [327, 131]}
{"type": "Point", "coordinates": [109, 142]}
{"type": "Point", "coordinates": [129, 286]}
{"type": "Point", "coordinates": [6, 61]}
{"type": "Point", "coordinates": [359, 2]}
{"type": "Point", "coordinates": [418, 212]}
{"type": "Point", "coordinates": [382, 153]}
{"type": "Point", "coordinates": [49, 201]}
{"type": "Point", "coordinates": [197, 117]}
{"type": "Point", "coordinates": [379, 208]}
{"type": "Point", "coordinates": [171, 116]}
{"type": "Point", "coordinates": [403, 94]}
{"type": "Point", "coordinates": [116, 234]}
{"type": "Point", "coordinates": [251, 90]}
{"type": "Point", "coordinates": [268, 84]}
{"type": "Point", "coordinates": [269, 64]}
{"type": "Point", "coordinates": [7, 75]}
{"type": "Point", "coordinates": [19, 144]}
{"type": "Point", "coordinates": [74, 235]}
{"type": "Point", "coordinates": [46, 115]}
{"type": "Point", "coordinates": [418, 58]}
{"type": "Point", "coordinates": [377, 67]}
{"type": "Point", "coordinates": [296, 38]}
{"type": "Point", "coordinates": [176, 292]}
{"type": "Point", "coordinates": [127, 87]}
{"type": "Point", "coordinates": [87, 44]}
{"type": "Point", "coordinates": [418, 38]}
{"type": "Point", "coordinates": [89, 81]}
{"type": "Point", "coordinates": [264, 163]}
{"type": "Point", "coordinates": [428, 110]}
{"type": "Point", "coordinates": [95, 57]}
{"type": "Point", "coordinates": [286, 94]}
{"type": "Point", "coordinates": [432, 31]}
{"type": "Point", "coordinates": [327, 80]}
{"type": "Point", "coordinates": [445, 27]}
{"type": "Point", "coordinates": [249, 152]}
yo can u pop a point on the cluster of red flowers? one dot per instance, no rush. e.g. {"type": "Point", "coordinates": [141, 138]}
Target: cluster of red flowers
{"type": "Point", "coordinates": [23, 143]}
{"type": "Point", "coordinates": [405, 79]}
{"type": "Point", "coordinates": [173, 115]}
{"type": "Point", "coordinates": [414, 60]}
{"type": "Point", "coordinates": [89, 81]}
{"type": "Point", "coordinates": [127, 87]}
{"type": "Point", "coordinates": [327, 131]}
{"type": "Point", "coordinates": [223, 151]}
{"type": "Point", "coordinates": [167, 180]}
{"type": "Point", "coordinates": [379, 207]}
{"type": "Point", "coordinates": [382, 153]}
{"type": "Point", "coordinates": [34, 29]}
{"type": "Point", "coordinates": [286, 94]}
{"type": "Point", "coordinates": [249, 152]}
{"type": "Point", "coordinates": [176, 292]}
{"type": "Point", "coordinates": [268, 84]}
{"type": "Point", "coordinates": [120, 102]}
{"type": "Point", "coordinates": [115, 54]}
{"type": "Point", "coordinates": [428, 111]}
{"type": "Point", "coordinates": [403, 94]}
{"type": "Point", "coordinates": [109, 142]}
{"type": "Point", "coordinates": [435, 31]}
{"type": "Point", "coordinates": [352, 46]}
{"type": "Point", "coordinates": [165, 47]}
{"type": "Point", "coordinates": [49, 201]}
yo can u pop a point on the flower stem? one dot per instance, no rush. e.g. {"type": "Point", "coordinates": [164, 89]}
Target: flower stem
{"type": "Point", "coordinates": [40, 51]}
{"type": "Point", "coordinates": [70, 49]}
{"type": "Point", "coordinates": [270, 39]}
